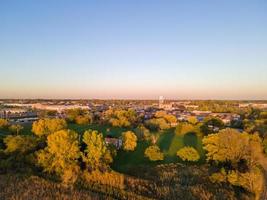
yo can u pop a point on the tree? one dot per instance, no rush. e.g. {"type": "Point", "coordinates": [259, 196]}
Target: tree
{"type": "Point", "coordinates": [188, 154]}
{"type": "Point", "coordinates": [61, 155]}
{"type": "Point", "coordinates": [183, 128]}
{"type": "Point", "coordinates": [96, 154]}
{"type": "Point", "coordinates": [154, 153]}
{"type": "Point", "coordinates": [192, 120]}
{"type": "Point", "coordinates": [120, 117]}
{"type": "Point", "coordinates": [15, 128]}
{"type": "Point", "coordinates": [83, 120]}
{"type": "Point", "coordinates": [143, 133]}
{"type": "Point", "coordinates": [44, 127]}
{"type": "Point", "coordinates": [129, 140]}
{"type": "Point", "coordinates": [72, 114]}
{"type": "Point", "coordinates": [211, 125]}
{"type": "Point", "coordinates": [227, 145]}
{"type": "Point", "coordinates": [3, 123]}
{"type": "Point", "coordinates": [157, 124]}
{"type": "Point", "coordinates": [19, 144]}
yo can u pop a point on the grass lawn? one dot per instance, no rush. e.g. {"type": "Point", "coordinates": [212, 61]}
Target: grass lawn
{"type": "Point", "coordinates": [168, 142]}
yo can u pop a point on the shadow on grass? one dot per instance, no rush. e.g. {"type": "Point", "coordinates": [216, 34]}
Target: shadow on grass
{"type": "Point", "coordinates": [191, 139]}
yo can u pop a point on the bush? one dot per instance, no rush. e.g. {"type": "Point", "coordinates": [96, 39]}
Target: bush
{"type": "Point", "coordinates": [153, 153]}
{"type": "Point", "coordinates": [188, 154]}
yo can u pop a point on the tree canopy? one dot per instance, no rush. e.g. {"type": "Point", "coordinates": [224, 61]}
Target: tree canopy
{"type": "Point", "coordinates": [96, 154]}
{"type": "Point", "coordinates": [129, 140]}
{"type": "Point", "coordinates": [3, 123]}
{"type": "Point", "coordinates": [44, 127]}
{"type": "Point", "coordinates": [188, 154]}
{"type": "Point", "coordinates": [154, 153]}
{"type": "Point", "coordinates": [61, 155]}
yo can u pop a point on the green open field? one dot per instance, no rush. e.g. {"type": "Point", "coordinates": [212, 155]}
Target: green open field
{"type": "Point", "coordinates": [168, 142]}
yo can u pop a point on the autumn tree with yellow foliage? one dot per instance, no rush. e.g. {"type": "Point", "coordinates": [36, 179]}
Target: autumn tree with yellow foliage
{"type": "Point", "coordinates": [129, 140]}
{"type": "Point", "coordinates": [154, 153]}
{"type": "Point", "coordinates": [188, 154]}
{"type": "Point", "coordinates": [96, 155]}
{"type": "Point", "coordinates": [44, 127]}
{"type": "Point", "coordinates": [19, 144]}
{"type": "Point", "coordinates": [231, 146]}
{"type": "Point", "coordinates": [3, 123]}
{"type": "Point", "coordinates": [61, 155]}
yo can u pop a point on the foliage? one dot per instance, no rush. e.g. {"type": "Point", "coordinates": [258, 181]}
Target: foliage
{"type": "Point", "coordinates": [19, 144]}
{"type": "Point", "coordinates": [142, 133]}
{"type": "Point", "coordinates": [162, 121]}
{"type": "Point", "coordinates": [168, 117]}
{"type": "Point", "coordinates": [44, 127]}
{"type": "Point", "coordinates": [96, 154]}
{"type": "Point", "coordinates": [188, 154]}
{"type": "Point", "coordinates": [79, 116]}
{"type": "Point", "coordinates": [129, 140]}
{"type": "Point", "coordinates": [61, 155]}
{"type": "Point", "coordinates": [192, 120]}
{"type": "Point", "coordinates": [211, 125]}
{"type": "Point", "coordinates": [109, 178]}
{"type": "Point", "coordinates": [3, 123]}
{"type": "Point", "coordinates": [252, 181]}
{"type": "Point", "coordinates": [230, 145]}
{"type": "Point", "coordinates": [157, 124]}
{"type": "Point", "coordinates": [120, 117]}
{"type": "Point", "coordinates": [15, 128]}
{"type": "Point", "coordinates": [153, 153]}
{"type": "Point", "coordinates": [82, 120]}
{"type": "Point", "coordinates": [183, 128]}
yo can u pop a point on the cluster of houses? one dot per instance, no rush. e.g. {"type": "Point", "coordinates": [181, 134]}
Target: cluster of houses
{"type": "Point", "coordinates": [24, 111]}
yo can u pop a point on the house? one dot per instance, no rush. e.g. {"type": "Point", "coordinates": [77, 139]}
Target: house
{"type": "Point", "coordinates": [110, 140]}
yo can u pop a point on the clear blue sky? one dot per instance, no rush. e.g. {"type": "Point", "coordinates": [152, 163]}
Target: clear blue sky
{"type": "Point", "coordinates": [133, 49]}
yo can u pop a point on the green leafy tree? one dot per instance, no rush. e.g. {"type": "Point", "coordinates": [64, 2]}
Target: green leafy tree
{"type": "Point", "coordinates": [211, 125]}
{"type": "Point", "coordinates": [44, 127]}
{"type": "Point", "coordinates": [188, 154]}
{"type": "Point", "coordinates": [129, 141]}
{"type": "Point", "coordinates": [96, 154]}
{"type": "Point", "coordinates": [154, 153]}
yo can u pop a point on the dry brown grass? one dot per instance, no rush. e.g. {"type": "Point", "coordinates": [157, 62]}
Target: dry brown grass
{"type": "Point", "coordinates": [17, 187]}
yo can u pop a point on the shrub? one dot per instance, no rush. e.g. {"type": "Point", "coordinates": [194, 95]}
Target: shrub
{"type": "Point", "coordinates": [153, 153]}
{"type": "Point", "coordinates": [188, 154]}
